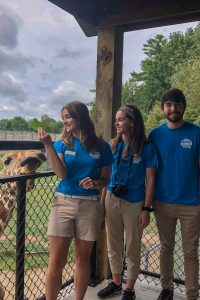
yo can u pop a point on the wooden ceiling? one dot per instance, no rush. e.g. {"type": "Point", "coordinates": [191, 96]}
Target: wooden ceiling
{"type": "Point", "coordinates": [129, 14]}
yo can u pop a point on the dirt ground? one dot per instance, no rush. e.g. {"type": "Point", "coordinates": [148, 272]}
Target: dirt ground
{"type": "Point", "coordinates": [34, 282]}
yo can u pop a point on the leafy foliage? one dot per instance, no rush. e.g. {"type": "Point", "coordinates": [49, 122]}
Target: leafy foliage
{"type": "Point", "coordinates": [92, 109]}
{"type": "Point", "coordinates": [163, 56]}
{"type": "Point", "coordinates": [154, 119]}
{"type": "Point", "coordinates": [20, 124]}
{"type": "Point", "coordinates": [187, 78]}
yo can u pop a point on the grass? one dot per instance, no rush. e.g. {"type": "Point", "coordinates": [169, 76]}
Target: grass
{"type": "Point", "coordinates": [37, 213]}
{"type": "Point", "coordinates": [38, 205]}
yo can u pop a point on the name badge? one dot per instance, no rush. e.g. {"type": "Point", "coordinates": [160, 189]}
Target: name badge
{"type": "Point", "coordinates": [70, 152]}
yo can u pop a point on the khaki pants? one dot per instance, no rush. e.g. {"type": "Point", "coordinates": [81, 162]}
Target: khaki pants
{"type": "Point", "coordinates": [123, 217]}
{"type": "Point", "coordinates": [166, 218]}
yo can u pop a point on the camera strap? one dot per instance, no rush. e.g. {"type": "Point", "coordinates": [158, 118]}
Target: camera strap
{"type": "Point", "coordinates": [118, 162]}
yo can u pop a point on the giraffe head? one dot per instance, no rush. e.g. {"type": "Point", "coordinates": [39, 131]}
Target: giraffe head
{"type": "Point", "coordinates": [16, 163]}
{"type": "Point", "coordinates": [22, 162]}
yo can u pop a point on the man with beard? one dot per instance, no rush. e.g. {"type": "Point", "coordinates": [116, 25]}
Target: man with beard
{"type": "Point", "coordinates": [177, 192]}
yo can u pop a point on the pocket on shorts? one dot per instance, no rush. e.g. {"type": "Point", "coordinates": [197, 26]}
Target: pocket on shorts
{"type": "Point", "coordinates": [58, 198]}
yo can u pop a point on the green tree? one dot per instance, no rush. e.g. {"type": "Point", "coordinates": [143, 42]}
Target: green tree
{"type": "Point", "coordinates": [134, 93]}
{"type": "Point", "coordinates": [59, 127]}
{"type": "Point", "coordinates": [155, 118]}
{"type": "Point", "coordinates": [45, 122]}
{"type": "Point", "coordinates": [187, 78]}
{"type": "Point", "coordinates": [92, 105]}
{"type": "Point", "coordinates": [19, 124]}
{"type": "Point", "coordinates": [5, 124]}
{"type": "Point", "coordinates": [92, 108]}
{"type": "Point", "coordinates": [50, 125]}
{"type": "Point", "coordinates": [162, 58]}
{"type": "Point", "coordinates": [33, 124]}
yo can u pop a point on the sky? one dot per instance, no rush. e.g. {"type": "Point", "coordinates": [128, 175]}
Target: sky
{"type": "Point", "coordinates": [47, 61]}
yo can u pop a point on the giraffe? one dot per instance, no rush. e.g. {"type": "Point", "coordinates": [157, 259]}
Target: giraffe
{"type": "Point", "coordinates": [15, 163]}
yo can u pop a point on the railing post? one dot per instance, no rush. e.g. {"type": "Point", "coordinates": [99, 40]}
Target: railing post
{"type": "Point", "coordinates": [20, 239]}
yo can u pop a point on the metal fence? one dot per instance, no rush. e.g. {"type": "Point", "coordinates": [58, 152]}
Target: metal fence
{"type": "Point", "coordinates": [8, 135]}
{"type": "Point", "coordinates": [24, 244]}
{"type": "Point", "coordinates": [150, 265]}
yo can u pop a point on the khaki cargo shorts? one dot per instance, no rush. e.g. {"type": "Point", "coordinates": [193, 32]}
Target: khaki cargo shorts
{"type": "Point", "coordinates": [76, 216]}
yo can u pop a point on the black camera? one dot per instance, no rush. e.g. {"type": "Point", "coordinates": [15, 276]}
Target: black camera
{"type": "Point", "coordinates": [119, 190]}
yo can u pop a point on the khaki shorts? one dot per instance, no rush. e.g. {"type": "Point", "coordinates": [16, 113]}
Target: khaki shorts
{"type": "Point", "coordinates": [75, 217]}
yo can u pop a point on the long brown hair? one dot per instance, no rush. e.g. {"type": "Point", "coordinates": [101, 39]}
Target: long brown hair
{"type": "Point", "coordinates": [79, 112]}
{"type": "Point", "coordinates": [136, 136]}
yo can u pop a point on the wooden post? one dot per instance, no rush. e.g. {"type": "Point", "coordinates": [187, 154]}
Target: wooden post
{"type": "Point", "coordinates": [108, 100]}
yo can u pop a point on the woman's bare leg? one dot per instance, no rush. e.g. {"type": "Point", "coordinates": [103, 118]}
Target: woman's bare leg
{"type": "Point", "coordinates": [82, 274]}
{"type": "Point", "coordinates": [58, 247]}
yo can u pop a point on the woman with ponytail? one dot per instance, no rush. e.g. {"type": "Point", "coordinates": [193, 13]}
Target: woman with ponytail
{"type": "Point", "coordinates": [128, 198]}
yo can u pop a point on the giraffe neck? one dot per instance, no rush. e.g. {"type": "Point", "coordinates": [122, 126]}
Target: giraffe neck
{"type": "Point", "coordinates": [8, 198]}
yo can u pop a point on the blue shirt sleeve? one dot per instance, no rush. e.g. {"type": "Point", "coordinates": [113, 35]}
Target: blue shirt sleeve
{"type": "Point", "coordinates": [151, 156]}
{"type": "Point", "coordinates": [107, 157]}
{"type": "Point", "coordinates": [151, 136]}
{"type": "Point", "coordinates": [59, 146]}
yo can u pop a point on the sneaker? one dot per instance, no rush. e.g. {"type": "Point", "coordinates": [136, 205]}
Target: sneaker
{"type": "Point", "coordinates": [128, 295]}
{"type": "Point", "coordinates": [110, 290]}
{"type": "Point", "coordinates": [166, 295]}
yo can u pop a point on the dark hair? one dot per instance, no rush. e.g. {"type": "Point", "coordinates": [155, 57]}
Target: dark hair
{"type": "Point", "coordinates": [137, 137]}
{"type": "Point", "coordinates": [174, 95]}
{"type": "Point", "coordinates": [79, 111]}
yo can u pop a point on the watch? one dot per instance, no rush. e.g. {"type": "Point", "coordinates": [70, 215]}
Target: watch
{"type": "Point", "coordinates": [147, 208]}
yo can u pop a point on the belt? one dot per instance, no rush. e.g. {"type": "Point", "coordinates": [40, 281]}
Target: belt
{"type": "Point", "coordinates": [95, 198]}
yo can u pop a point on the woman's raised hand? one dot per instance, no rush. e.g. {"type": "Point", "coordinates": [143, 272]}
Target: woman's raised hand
{"type": "Point", "coordinates": [44, 137]}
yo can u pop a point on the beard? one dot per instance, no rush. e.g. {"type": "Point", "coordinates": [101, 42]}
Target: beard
{"type": "Point", "coordinates": [174, 117]}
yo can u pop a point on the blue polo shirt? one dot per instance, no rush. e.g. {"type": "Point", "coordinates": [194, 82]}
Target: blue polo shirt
{"type": "Point", "coordinates": [133, 173]}
{"type": "Point", "coordinates": [81, 164]}
{"type": "Point", "coordinates": [178, 173]}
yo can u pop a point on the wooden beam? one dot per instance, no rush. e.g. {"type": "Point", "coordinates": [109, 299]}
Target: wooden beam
{"type": "Point", "coordinates": [109, 79]}
{"type": "Point", "coordinates": [118, 12]}
{"type": "Point", "coordinates": [108, 100]}
{"type": "Point", "coordinates": [86, 10]}
{"type": "Point", "coordinates": [163, 21]}
{"type": "Point", "coordinates": [130, 14]}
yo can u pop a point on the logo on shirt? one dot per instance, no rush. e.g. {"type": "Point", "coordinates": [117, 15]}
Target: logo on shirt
{"type": "Point", "coordinates": [136, 159]}
{"type": "Point", "coordinates": [95, 155]}
{"type": "Point", "coordinates": [70, 152]}
{"type": "Point", "coordinates": [186, 143]}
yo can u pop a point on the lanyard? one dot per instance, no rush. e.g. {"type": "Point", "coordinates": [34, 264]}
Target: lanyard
{"type": "Point", "coordinates": [118, 162]}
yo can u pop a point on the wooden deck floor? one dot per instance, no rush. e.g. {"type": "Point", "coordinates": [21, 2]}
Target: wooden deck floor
{"type": "Point", "coordinates": [143, 292]}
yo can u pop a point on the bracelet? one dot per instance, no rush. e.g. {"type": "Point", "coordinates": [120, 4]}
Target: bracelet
{"type": "Point", "coordinates": [147, 208]}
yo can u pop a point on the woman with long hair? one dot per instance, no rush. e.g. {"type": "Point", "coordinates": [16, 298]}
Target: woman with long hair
{"type": "Point", "coordinates": [128, 198]}
{"type": "Point", "coordinates": [82, 161]}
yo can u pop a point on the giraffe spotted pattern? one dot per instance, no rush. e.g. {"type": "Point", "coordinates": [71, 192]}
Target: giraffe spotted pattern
{"type": "Point", "coordinates": [16, 163]}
